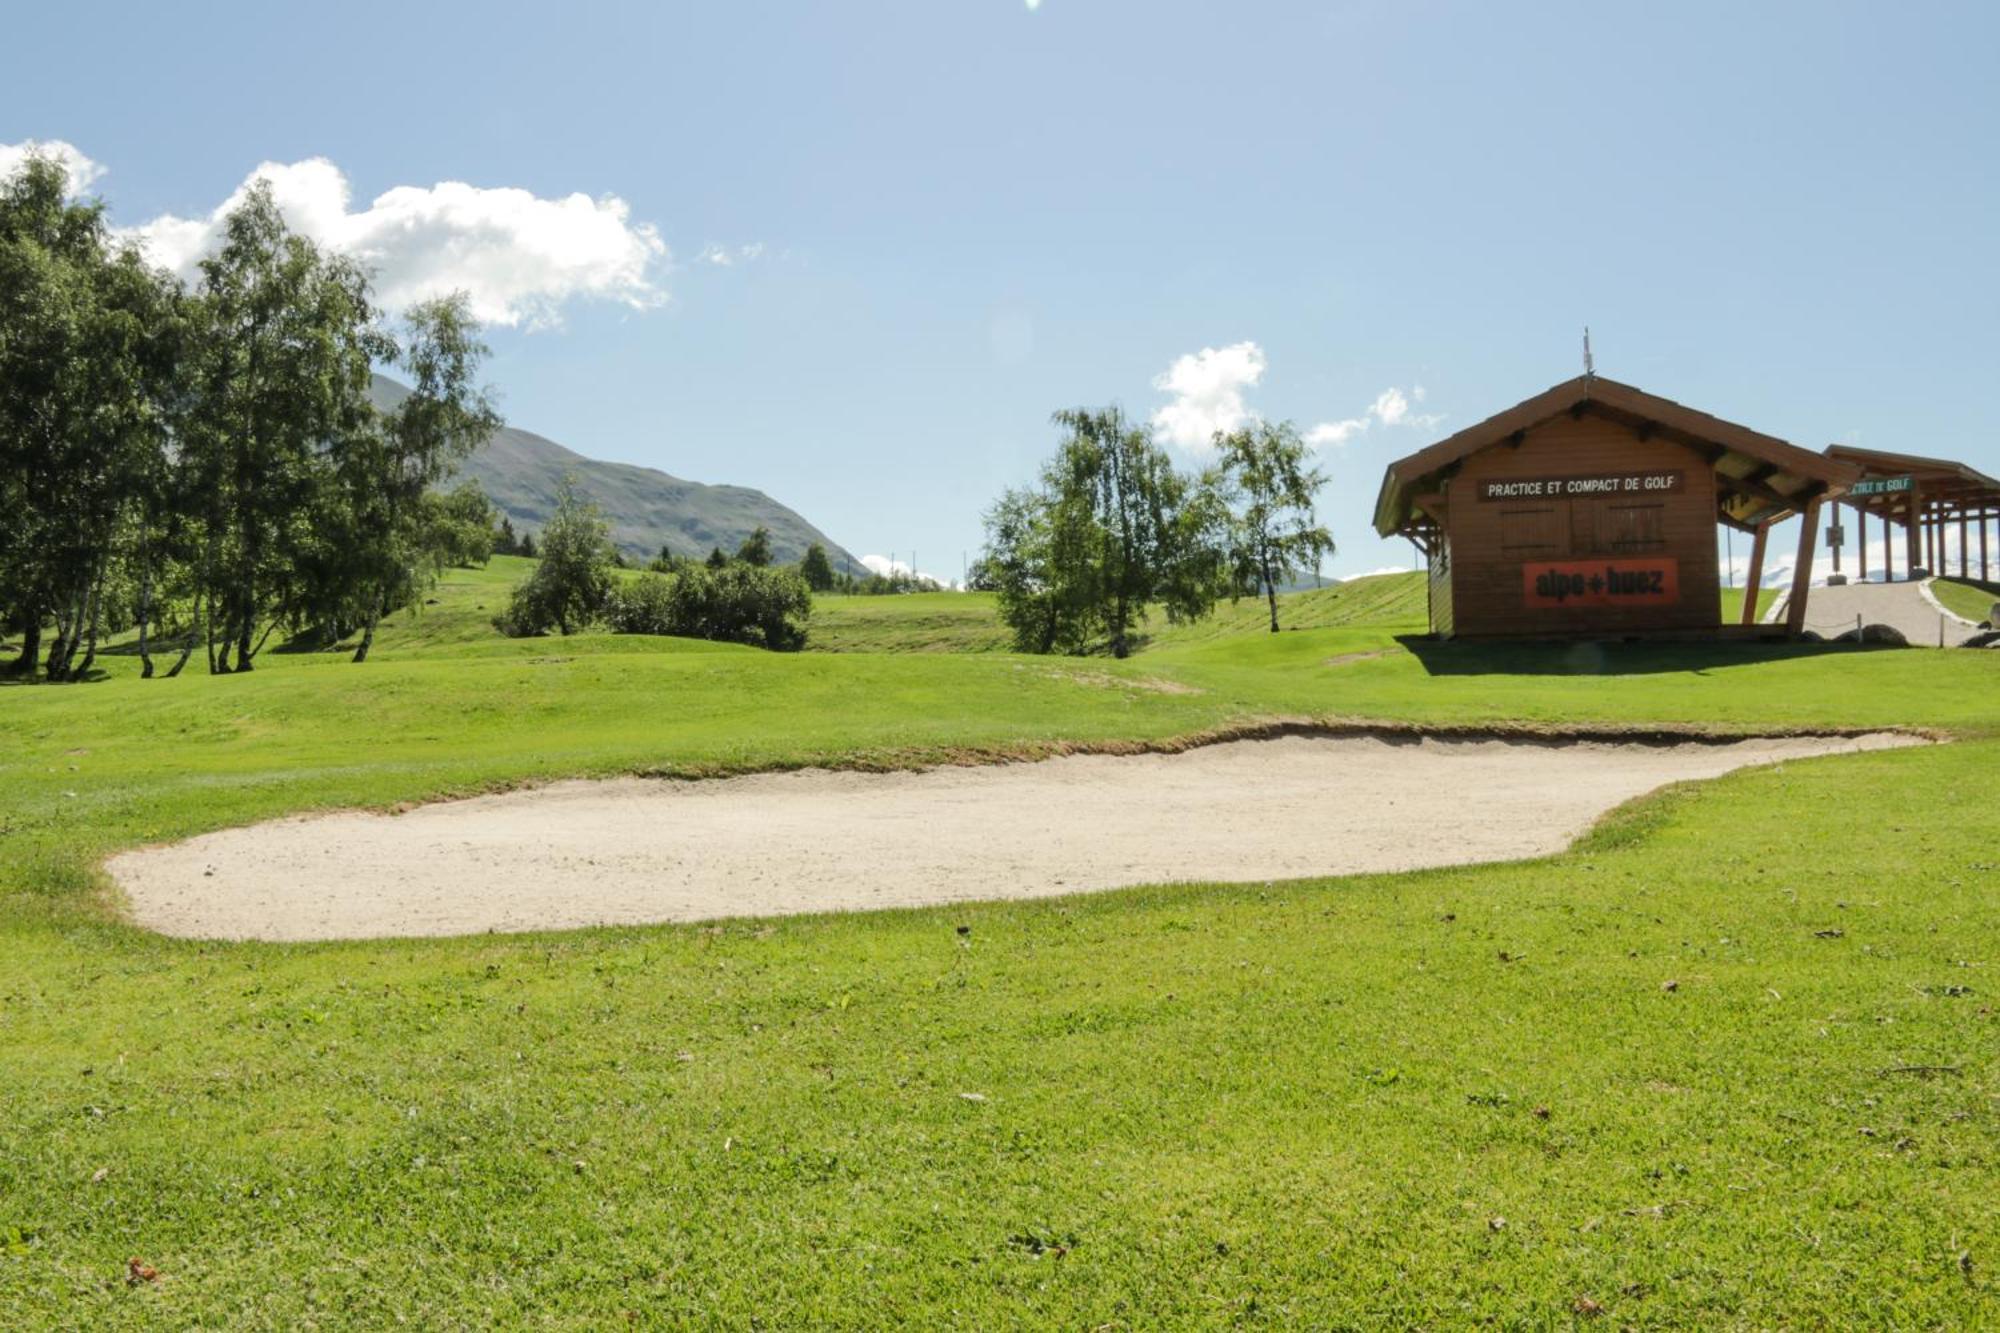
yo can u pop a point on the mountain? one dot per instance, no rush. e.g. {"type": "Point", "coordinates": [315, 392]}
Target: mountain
{"type": "Point", "coordinates": [646, 508]}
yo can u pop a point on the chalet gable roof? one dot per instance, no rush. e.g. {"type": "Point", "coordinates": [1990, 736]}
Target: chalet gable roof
{"type": "Point", "coordinates": [1759, 477]}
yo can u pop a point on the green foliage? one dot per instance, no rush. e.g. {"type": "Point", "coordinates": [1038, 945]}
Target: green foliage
{"type": "Point", "coordinates": [1111, 529]}
{"type": "Point", "coordinates": [571, 587]}
{"type": "Point", "coordinates": [461, 526]}
{"type": "Point", "coordinates": [280, 434]}
{"type": "Point", "coordinates": [389, 538]}
{"type": "Point", "coordinates": [816, 569]}
{"type": "Point", "coordinates": [213, 461]}
{"type": "Point", "coordinates": [89, 344]}
{"type": "Point", "coordinates": [756, 548]}
{"type": "Point", "coordinates": [739, 603]}
{"type": "Point", "coordinates": [1274, 534]}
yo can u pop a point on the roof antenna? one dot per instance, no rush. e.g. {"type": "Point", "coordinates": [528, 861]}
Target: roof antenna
{"type": "Point", "coordinates": [1589, 364]}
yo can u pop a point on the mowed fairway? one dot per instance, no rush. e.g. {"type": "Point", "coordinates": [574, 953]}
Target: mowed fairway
{"type": "Point", "coordinates": [1728, 1062]}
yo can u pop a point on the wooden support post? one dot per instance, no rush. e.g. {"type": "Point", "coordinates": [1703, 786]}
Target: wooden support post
{"type": "Point", "coordinates": [1755, 578]}
{"type": "Point", "coordinates": [1964, 551]}
{"type": "Point", "coordinates": [1913, 532]}
{"type": "Point", "coordinates": [1982, 546]}
{"type": "Point", "coordinates": [1861, 546]}
{"type": "Point", "coordinates": [1795, 610]}
{"type": "Point", "coordinates": [1830, 545]}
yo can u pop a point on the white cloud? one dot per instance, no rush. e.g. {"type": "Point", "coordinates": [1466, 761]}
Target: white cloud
{"type": "Point", "coordinates": [1390, 408]}
{"type": "Point", "coordinates": [519, 256]}
{"type": "Point", "coordinates": [723, 256]}
{"type": "Point", "coordinates": [885, 565]}
{"type": "Point", "coordinates": [1207, 388]}
{"type": "Point", "coordinates": [82, 171]}
{"type": "Point", "coordinates": [1333, 434]}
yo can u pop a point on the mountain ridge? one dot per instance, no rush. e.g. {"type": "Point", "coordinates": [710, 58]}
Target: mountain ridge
{"type": "Point", "coordinates": [647, 509]}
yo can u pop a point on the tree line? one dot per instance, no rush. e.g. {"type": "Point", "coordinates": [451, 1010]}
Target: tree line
{"type": "Point", "coordinates": [204, 463]}
{"type": "Point", "coordinates": [1111, 528]}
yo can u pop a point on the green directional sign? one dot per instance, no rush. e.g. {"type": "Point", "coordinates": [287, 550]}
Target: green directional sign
{"type": "Point", "coordinates": [1879, 486]}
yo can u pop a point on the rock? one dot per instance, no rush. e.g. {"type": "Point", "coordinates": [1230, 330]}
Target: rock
{"type": "Point", "coordinates": [1985, 639]}
{"type": "Point", "coordinates": [1888, 634]}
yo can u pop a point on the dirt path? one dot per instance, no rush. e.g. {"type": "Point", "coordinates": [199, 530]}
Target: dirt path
{"type": "Point", "coordinates": [643, 850]}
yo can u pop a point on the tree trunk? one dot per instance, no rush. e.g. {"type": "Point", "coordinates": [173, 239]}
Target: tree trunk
{"type": "Point", "coordinates": [367, 639]}
{"type": "Point", "coordinates": [245, 624]}
{"type": "Point", "coordinates": [1271, 592]}
{"type": "Point", "coordinates": [145, 608]}
{"type": "Point", "coordinates": [187, 651]}
{"type": "Point", "coordinates": [31, 644]}
{"type": "Point", "coordinates": [93, 617]}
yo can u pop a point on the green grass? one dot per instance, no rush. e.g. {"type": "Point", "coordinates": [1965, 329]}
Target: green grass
{"type": "Point", "coordinates": [922, 622]}
{"type": "Point", "coordinates": [1967, 597]}
{"type": "Point", "coordinates": [1732, 604]}
{"type": "Point", "coordinates": [1308, 1103]}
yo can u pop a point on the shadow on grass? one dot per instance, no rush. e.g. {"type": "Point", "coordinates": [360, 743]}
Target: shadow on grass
{"type": "Point", "coordinates": [1443, 657]}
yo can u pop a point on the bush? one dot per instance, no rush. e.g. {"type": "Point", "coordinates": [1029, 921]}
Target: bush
{"type": "Point", "coordinates": [735, 604]}
{"type": "Point", "coordinates": [572, 587]}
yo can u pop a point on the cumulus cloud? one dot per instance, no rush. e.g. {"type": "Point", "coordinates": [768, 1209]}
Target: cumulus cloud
{"type": "Point", "coordinates": [722, 256]}
{"type": "Point", "coordinates": [1207, 388]}
{"type": "Point", "coordinates": [1390, 408]}
{"type": "Point", "coordinates": [82, 171]}
{"type": "Point", "coordinates": [519, 256]}
{"type": "Point", "coordinates": [886, 565]}
{"type": "Point", "coordinates": [1208, 395]}
{"type": "Point", "coordinates": [1332, 434]}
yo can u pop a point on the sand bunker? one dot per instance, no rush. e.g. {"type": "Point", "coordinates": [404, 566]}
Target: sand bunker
{"type": "Point", "coordinates": [644, 850]}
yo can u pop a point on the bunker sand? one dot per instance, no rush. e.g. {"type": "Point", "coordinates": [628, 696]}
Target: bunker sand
{"type": "Point", "coordinates": [631, 850]}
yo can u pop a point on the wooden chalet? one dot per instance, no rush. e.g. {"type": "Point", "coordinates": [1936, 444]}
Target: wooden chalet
{"type": "Point", "coordinates": [1590, 510]}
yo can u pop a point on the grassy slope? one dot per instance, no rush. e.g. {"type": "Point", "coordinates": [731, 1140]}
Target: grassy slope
{"type": "Point", "coordinates": [1969, 598]}
{"type": "Point", "coordinates": [1307, 1101]}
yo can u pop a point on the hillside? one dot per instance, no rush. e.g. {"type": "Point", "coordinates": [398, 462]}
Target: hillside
{"type": "Point", "coordinates": [647, 509]}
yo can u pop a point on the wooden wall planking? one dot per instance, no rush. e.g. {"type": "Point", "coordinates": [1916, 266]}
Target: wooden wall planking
{"type": "Point", "coordinates": [1489, 541]}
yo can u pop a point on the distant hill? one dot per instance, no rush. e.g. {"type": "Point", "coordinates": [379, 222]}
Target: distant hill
{"type": "Point", "coordinates": [647, 509]}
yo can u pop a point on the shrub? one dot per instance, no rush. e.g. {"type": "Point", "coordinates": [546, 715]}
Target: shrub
{"type": "Point", "coordinates": [735, 604]}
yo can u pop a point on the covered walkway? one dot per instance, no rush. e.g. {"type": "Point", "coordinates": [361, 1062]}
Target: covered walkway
{"type": "Point", "coordinates": [1934, 500]}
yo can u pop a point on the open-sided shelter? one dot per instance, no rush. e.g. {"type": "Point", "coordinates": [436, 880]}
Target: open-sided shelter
{"type": "Point", "coordinates": [1591, 509]}
{"type": "Point", "coordinates": [1928, 496]}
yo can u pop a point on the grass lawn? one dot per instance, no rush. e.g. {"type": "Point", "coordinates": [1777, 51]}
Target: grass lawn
{"type": "Point", "coordinates": [1732, 604]}
{"type": "Point", "coordinates": [1435, 1098]}
{"type": "Point", "coordinates": [1967, 597]}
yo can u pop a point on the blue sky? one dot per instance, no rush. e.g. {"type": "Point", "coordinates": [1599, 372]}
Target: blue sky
{"type": "Point", "coordinates": [942, 220]}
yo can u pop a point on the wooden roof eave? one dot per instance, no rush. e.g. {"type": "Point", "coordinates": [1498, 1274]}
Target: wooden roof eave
{"type": "Point", "coordinates": [1789, 476]}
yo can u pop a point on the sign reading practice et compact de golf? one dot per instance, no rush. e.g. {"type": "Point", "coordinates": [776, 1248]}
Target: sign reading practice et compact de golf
{"type": "Point", "coordinates": [1630, 582]}
{"type": "Point", "coordinates": [1597, 486]}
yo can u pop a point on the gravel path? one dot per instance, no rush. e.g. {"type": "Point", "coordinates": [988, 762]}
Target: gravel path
{"type": "Point", "coordinates": [646, 850]}
{"type": "Point", "coordinates": [1831, 611]}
